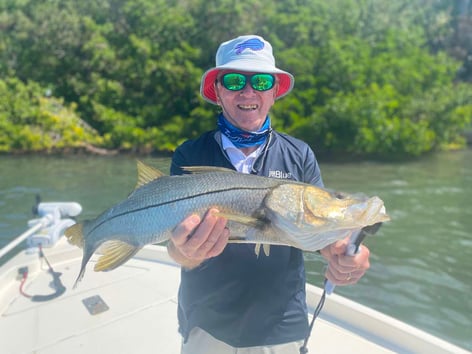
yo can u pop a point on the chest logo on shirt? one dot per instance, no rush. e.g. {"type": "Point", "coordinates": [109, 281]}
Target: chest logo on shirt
{"type": "Point", "coordinates": [280, 174]}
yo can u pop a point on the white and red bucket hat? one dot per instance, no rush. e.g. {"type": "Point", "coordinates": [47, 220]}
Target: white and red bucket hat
{"type": "Point", "coordinates": [247, 54]}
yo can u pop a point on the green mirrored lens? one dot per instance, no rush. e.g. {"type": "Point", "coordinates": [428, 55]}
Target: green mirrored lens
{"type": "Point", "coordinates": [237, 81]}
{"type": "Point", "coordinates": [262, 82]}
{"type": "Point", "coordinates": [234, 81]}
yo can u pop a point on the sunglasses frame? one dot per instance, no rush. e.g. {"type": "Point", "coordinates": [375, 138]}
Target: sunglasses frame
{"type": "Point", "coordinates": [247, 79]}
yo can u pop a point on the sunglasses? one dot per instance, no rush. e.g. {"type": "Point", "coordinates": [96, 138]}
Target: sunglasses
{"type": "Point", "coordinates": [237, 81]}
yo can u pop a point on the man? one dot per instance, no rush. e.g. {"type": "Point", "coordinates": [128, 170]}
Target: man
{"type": "Point", "coordinates": [231, 301]}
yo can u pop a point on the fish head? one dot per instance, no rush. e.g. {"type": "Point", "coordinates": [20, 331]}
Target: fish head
{"type": "Point", "coordinates": [336, 210]}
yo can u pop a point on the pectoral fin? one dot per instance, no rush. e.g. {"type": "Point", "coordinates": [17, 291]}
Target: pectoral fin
{"type": "Point", "coordinates": [242, 219]}
{"type": "Point", "coordinates": [255, 223]}
{"type": "Point", "coordinates": [115, 253]}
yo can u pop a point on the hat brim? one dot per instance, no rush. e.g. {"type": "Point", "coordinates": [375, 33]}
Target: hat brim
{"type": "Point", "coordinates": [207, 86]}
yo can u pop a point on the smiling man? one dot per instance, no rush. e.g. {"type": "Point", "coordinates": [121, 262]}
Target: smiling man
{"type": "Point", "coordinates": [230, 300]}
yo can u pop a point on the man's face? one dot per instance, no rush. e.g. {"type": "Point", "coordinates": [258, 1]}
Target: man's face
{"type": "Point", "coordinates": [246, 108]}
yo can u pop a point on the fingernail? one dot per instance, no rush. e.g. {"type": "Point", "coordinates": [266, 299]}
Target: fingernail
{"type": "Point", "coordinates": [195, 219]}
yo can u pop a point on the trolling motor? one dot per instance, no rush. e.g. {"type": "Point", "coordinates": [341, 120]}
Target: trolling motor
{"type": "Point", "coordinates": [54, 218]}
{"type": "Point", "coordinates": [45, 231]}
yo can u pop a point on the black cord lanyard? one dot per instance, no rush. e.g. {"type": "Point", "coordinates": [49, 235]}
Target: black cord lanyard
{"type": "Point", "coordinates": [304, 349]}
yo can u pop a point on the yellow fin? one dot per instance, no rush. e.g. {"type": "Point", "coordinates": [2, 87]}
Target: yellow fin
{"type": "Point", "coordinates": [115, 253]}
{"type": "Point", "coordinates": [265, 248]}
{"type": "Point", "coordinates": [242, 219]}
{"type": "Point", "coordinates": [206, 169]}
{"type": "Point", "coordinates": [147, 174]}
{"type": "Point", "coordinates": [74, 235]}
{"type": "Point", "coordinates": [257, 249]}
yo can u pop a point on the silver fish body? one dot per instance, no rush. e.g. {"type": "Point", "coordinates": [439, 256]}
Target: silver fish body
{"type": "Point", "coordinates": [260, 210]}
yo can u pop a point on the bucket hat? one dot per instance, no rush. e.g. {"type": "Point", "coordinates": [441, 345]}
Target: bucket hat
{"type": "Point", "coordinates": [247, 54]}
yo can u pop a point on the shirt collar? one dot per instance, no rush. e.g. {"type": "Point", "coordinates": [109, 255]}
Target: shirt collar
{"type": "Point", "coordinates": [240, 161]}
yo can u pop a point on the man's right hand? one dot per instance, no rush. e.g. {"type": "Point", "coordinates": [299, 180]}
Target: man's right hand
{"type": "Point", "coordinates": [195, 240]}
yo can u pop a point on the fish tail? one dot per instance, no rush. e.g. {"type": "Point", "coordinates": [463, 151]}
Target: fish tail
{"type": "Point", "coordinates": [86, 257]}
{"type": "Point", "coordinates": [80, 276]}
{"type": "Point", "coordinates": [75, 235]}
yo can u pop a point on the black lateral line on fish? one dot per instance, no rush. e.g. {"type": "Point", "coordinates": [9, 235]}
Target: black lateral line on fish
{"type": "Point", "coordinates": [176, 200]}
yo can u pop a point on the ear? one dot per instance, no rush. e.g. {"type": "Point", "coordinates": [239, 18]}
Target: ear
{"type": "Point", "coordinates": [217, 93]}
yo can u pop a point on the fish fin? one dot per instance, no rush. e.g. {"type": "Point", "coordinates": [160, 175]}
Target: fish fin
{"type": "Point", "coordinates": [266, 248]}
{"type": "Point", "coordinates": [79, 278]}
{"type": "Point", "coordinates": [82, 271]}
{"type": "Point", "coordinates": [147, 174]}
{"type": "Point", "coordinates": [242, 219]}
{"type": "Point", "coordinates": [75, 235]}
{"type": "Point", "coordinates": [88, 251]}
{"type": "Point", "coordinates": [257, 249]}
{"type": "Point", "coordinates": [115, 253]}
{"type": "Point", "coordinates": [206, 169]}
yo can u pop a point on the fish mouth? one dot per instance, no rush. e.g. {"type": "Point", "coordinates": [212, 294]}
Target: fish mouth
{"type": "Point", "coordinates": [375, 211]}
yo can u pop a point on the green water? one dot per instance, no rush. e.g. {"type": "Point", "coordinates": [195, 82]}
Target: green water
{"type": "Point", "coordinates": [421, 261]}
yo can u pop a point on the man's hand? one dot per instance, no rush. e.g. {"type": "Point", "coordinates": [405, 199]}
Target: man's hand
{"type": "Point", "coordinates": [195, 240]}
{"type": "Point", "coordinates": [343, 269]}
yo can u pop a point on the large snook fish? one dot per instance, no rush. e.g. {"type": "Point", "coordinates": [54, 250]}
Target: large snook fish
{"type": "Point", "coordinates": [259, 210]}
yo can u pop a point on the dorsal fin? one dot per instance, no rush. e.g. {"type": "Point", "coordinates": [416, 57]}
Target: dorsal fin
{"type": "Point", "coordinates": [206, 169]}
{"type": "Point", "coordinates": [147, 174]}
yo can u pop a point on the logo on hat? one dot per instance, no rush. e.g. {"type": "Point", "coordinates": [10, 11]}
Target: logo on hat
{"type": "Point", "coordinates": [253, 44]}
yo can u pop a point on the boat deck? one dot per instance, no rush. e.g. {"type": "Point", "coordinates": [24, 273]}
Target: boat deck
{"type": "Point", "coordinates": [140, 297]}
{"type": "Point", "coordinates": [132, 310]}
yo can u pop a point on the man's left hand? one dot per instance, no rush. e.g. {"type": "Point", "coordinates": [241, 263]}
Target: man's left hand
{"type": "Point", "coordinates": [343, 269]}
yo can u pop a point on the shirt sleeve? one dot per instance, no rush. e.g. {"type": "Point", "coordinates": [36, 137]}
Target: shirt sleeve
{"type": "Point", "coordinates": [312, 173]}
{"type": "Point", "coordinates": [178, 160]}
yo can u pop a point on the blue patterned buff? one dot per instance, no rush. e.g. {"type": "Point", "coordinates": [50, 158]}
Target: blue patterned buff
{"type": "Point", "coordinates": [241, 138]}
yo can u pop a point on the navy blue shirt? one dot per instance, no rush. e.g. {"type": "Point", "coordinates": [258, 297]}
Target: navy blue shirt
{"type": "Point", "coordinates": [237, 297]}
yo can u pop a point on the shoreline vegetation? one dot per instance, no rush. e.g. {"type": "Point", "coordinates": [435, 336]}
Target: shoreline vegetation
{"type": "Point", "coordinates": [374, 78]}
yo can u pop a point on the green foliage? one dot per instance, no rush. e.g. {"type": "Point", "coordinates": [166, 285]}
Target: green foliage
{"type": "Point", "coordinates": [29, 121]}
{"type": "Point", "coordinates": [365, 74]}
{"type": "Point", "coordinates": [372, 76]}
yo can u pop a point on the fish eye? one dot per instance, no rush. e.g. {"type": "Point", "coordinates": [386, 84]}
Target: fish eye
{"type": "Point", "coordinates": [339, 195]}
